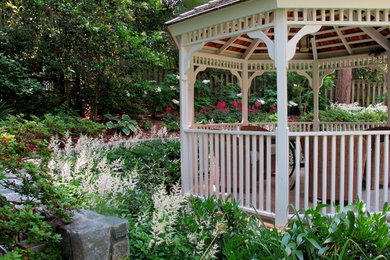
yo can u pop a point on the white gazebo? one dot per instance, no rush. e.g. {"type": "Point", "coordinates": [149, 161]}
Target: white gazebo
{"type": "Point", "coordinates": [268, 166]}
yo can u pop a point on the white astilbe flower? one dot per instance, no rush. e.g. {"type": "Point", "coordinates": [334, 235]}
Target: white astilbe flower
{"type": "Point", "coordinates": [355, 108]}
{"type": "Point", "coordinates": [85, 169]}
{"type": "Point", "coordinates": [166, 210]}
{"type": "Point", "coordinates": [292, 104]}
{"type": "Point", "coordinates": [380, 107]}
{"type": "Point", "coordinates": [161, 132]}
{"type": "Point", "coordinates": [175, 101]}
{"type": "Point", "coordinates": [351, 108]}
{"type": "Point", "coordinates": [206, 81]}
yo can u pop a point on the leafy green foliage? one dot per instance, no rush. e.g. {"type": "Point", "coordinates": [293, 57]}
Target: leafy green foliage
{"type": "Point", "coordinates": [18, 89]}
{"type": "Point", "coordinates": [125, 124]}
{"type": "Point", "coordinates": [157, 162]}
{"type": "Point", "coordinates": [88, 49]}
{"type": "Point", "coordinates": [340, 115]}
{"type": "Point", "coordinates": [34, 134]}
{"type": "Point", "coordinates": [41, 205]}
{"type": "Point", "coordinates": [171, 122]}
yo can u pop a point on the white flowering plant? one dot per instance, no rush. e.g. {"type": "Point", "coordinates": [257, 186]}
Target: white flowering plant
{"type": "Point", "coordinates": [163, 95]}
{"type": "Point", "coordinates": [339, 112]}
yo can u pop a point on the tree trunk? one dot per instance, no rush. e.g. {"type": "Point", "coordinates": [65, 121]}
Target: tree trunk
{"type": "Point", "coordinates": [343, 86]}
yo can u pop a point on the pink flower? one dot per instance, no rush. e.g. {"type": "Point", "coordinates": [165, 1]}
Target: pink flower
{"type": "Point", "coordinates": [202, 110]}
{"type": "Point", "coordinates": [235, 103]}
{"type": "Point", "coordinates": [273, 108]}
{"type": "Point", "coordinates": [255, 111]}
{"type": "Point", "coordinates": [168, 109]}
{"type": "Point", "coordinates": [257, 104]}
{"type": "Point", "coordinates": [221, 104]}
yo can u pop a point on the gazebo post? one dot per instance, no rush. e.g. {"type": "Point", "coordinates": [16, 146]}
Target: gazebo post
{"type": "Point", "coordinates": [244, 91]}
{"type": "Point", "coordinates": [186, 108]}
{"type": "Point", "coordinates": [316, 89]}
{"type": "Point", "coordinates": [388, 87]}
{"type": "Point", "coordinates": [281, 64]}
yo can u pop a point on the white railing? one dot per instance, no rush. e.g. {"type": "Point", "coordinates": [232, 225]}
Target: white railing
{"type": "Point", "coordinates": [270, 126]}
{"type": "Point", "coordinates": [338, 167]}
{"type": "Point", "coordinates": [239, 164]}
{"type": "Point", "coordinates": [348, 126]}
{"type": "Point", "coordinates": [297, 126]}
{"type": "Point", "coordinates": [324, 167]}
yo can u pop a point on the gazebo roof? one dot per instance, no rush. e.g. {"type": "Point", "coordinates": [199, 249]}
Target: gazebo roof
{"type": "Point", "coordinates": [222, 25]}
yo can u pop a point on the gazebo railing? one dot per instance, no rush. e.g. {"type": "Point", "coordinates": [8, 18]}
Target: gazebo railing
{"type": "Point", "coordinates": [348, 126]}
{"type": "Point", "coordinates": [324, 167]}
{"type": "Point", "coordinates": [338, 167]}
{"type": "Point", "coordinates": [238, 164]}
{"type": "Point", "coordinates": [297, 126]}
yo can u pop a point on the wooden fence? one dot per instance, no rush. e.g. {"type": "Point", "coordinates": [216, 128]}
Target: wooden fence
{"type": "Point", "coordinates": [364, 92]}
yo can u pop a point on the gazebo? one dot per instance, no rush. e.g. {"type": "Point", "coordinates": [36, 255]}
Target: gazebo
{"type": "Point", "coordinates": [267, 166]}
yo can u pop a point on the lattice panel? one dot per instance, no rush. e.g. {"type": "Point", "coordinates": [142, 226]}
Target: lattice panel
{"type": "Point", "coordinates": [228, 28]}
{"type": "Point", "coordinates": [303, 15]}
{"type": "Point", "coordinates": [212, 61]}
{"type": "Point", "coordinates": [353, 62]}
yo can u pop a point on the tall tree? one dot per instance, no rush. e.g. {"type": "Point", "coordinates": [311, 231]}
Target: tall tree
{"type": "Point", "coordinates": [343, 86]}
{"type": "Point", "coordinates": [89, 47]}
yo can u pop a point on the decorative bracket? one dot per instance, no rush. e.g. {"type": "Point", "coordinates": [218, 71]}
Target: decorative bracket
{"type": "Point", "coordinates": [193, 49]}
{"type": "Point", "coordinates": [255, 74]}
{"type": "Point", "coordinates": [326, 73]}
{"type": "Point", "coordinates": [291, 45]}
{"type": "Point", "coordinates": [270, 44]}
{"type": "Point", "coordinates": [237, 74]}
{"type": "Point", "coordinates": [306, 75]}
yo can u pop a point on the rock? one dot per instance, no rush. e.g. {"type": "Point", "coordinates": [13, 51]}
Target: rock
{"type": "Point", "coordinates": [94, 236]}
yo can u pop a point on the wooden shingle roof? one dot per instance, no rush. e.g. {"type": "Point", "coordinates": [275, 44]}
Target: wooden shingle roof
{"type": "Point", "coordinates": [208, 7]}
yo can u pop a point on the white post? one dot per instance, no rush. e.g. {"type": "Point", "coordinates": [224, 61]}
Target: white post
{"type": "Point", "coordinates": [190, 105]}
{"type": "Point", "coordinates": [316, 89]}
{"type": "Point", "coordinates": [281, 63]}
{"type": "Point", "coordinates": [185, 114]}
{"type": "Point", "coordinates": [388, 87]}
{"type": "Point", "coordinates": [244, 92]}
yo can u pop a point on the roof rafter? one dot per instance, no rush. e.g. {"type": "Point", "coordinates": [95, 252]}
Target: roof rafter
{"type": "Point", "coordinates": [377, 36]}
{"type": "Point", "coordinates": [227, 44]}
{"type": "Point", "coordinates": [251, 48]}
{"type": "Point", "coordinates": [343, 40]}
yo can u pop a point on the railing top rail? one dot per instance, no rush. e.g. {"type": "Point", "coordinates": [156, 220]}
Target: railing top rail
{"type": "Point", "coordinates": [339, 133]}
{"type": "Point", "coordinates": [208, 131]}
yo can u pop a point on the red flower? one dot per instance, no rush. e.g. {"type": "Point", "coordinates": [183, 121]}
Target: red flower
{"type": "Point", "coordinates": [168, 109]}
{"type": "Point", "coordinates": [273, 108]}
{"type": "Point", "coordinates": [235, 103]}
{"type": "Point", "coordinates": [221, 104]}
{"type": "Point", "coordinates": [239, 106]}
{"type": "Point", "coordinates": [257, 104]}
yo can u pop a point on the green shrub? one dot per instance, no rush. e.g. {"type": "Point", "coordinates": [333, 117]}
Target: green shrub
{"type": "Point", "coordinates": [156, 162]}
{"type": "Point", "coordinates": [124, 124]}
{"type": "Point", "coordinates": [43, 206]}
{"type": "Point", "coordinates": [171, 122]}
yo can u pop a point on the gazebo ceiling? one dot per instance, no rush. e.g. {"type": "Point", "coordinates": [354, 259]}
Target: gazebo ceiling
{"type": "Point", "coordinates": [334, 39]}
{"type": "Point", "coordinates": [330, 41]}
